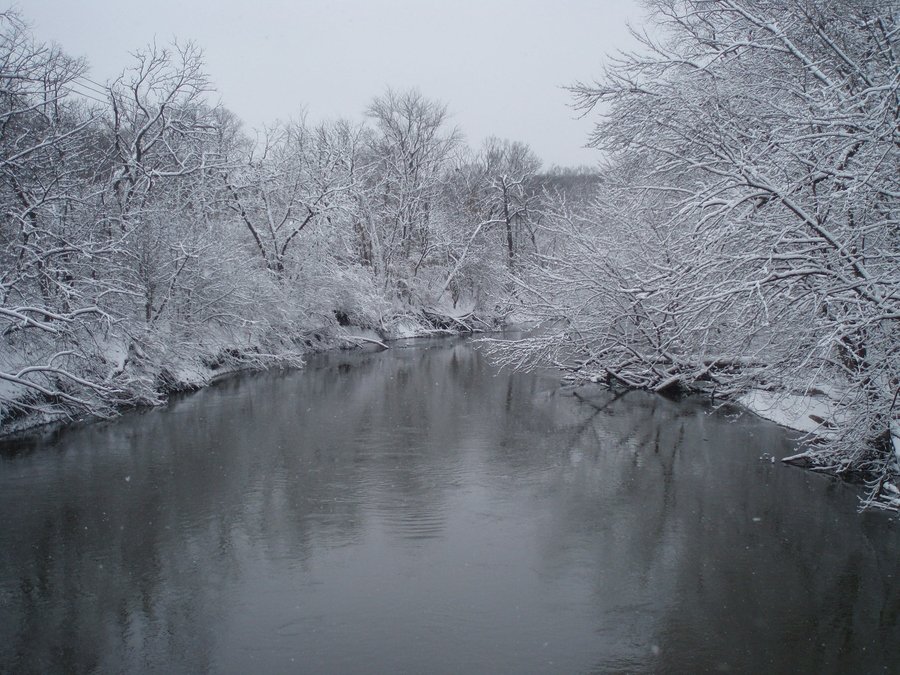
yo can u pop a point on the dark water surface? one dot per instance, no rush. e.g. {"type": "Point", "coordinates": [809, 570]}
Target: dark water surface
{"type": "Point", "coordinates": [417, 511]}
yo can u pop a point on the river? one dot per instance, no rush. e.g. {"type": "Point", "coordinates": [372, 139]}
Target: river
{"type": "Point", "coordinates": [417, 510]}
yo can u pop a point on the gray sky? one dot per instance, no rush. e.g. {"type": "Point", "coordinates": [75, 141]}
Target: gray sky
{"type": "Point", "coordinates": [498, 64]}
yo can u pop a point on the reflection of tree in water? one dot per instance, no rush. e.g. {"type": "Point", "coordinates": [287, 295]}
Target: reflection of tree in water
{"type": "Point", "coordinates": [662, 506]}
{"type": "Point", "coordinates": [88, 594]}
{"type": "Point", "coordinates": [648, 503]}
{"type": "Point", "coordinates": [401, 414]}
{"type": "Point", "coordinates": [143, 525]}
{"type": "Point", "coordinates": [125, 545]}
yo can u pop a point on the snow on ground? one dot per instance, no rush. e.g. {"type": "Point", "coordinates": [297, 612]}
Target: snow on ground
{"type": "Point", "coordinates": [10, 390]}
{"type": "Point", "coordinates": [895, 439]}
{"type": "Point", "coordinates": [816, 414]}
{"type": "Point", "coordinates": [806, 413]}
{"type": "Point", "coordinates": [405, 328]}
{"type": "Point", "coordinates": [445, 307]}
{"type": "Point", "coordinates": [357, 336]}
{"type": "Point", "coordinates": [519, 317]}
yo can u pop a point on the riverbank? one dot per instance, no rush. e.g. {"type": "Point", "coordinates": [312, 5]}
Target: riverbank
{"type": "Point", "coordinates": [822, 416]}
{"type": "Point", "coordinates": [426, 493]}
{"type": "Point", "coordinates": [174, 368]}
{"type": "Point", "coordinates": [818, 415]}
{"type": "Point", "coordinates": [145, 369]}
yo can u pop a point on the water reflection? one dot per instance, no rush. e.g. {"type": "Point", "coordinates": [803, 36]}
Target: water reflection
{"type": "Point", "coordinates": [416, 510]}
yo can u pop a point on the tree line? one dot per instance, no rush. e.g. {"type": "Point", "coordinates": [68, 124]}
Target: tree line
{"type": "Point", "coordinates": [740, 235]}
{"type": "Point", "coordinates": [147, 239]}
{"type": "Point", "coordinates": [746, 234]}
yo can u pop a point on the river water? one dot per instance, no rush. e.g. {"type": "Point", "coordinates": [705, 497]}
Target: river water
{"type": "Point", "coordinates": [418, 511]}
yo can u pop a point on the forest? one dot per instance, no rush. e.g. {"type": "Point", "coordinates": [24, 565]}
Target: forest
{"type": "Point", "coordinates": [738, 236]}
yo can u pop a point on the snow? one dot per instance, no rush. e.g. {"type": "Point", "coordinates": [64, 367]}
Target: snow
{"type": "Point", "coordinates": [190, 375]}
{"type": "Point", "coordinates": [114, 352]}
{"type": "Point", "coordinates": [360, 337]}
{"type": "Point", "coordinates": [520, 317]}
{"type": "Point", "coordinates": [795, 411]}
{"type": "Point", "coordinates": [895, 440]}
{"type": "Point", "coordinates": [9, 390]}
{"type": "Point", "coordinates": [445, 307]}
{"type": "Point", "coordinates": [10, 363]}
{"type": "Point", "coordinates": [406, 328]}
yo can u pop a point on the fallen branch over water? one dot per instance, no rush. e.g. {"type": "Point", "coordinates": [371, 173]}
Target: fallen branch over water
{"type": "Point", "coordinates": [360, 338]}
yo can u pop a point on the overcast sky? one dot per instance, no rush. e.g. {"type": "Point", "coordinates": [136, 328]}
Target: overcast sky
{"type": "Point", "coordinates": [498, 64]}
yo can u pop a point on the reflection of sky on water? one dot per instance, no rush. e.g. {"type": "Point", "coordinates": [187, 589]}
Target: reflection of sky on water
{"type": "Point", "coordinates": [416, 510]}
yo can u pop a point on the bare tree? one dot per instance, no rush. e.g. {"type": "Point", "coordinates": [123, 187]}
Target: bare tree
{"type": "Point", "coordinates": [763, 137]}
{"type": "Point", "coordinates": [490, 200]}
{"type": "Point", "coordinates": [409, 153]}
{"type": "Point", "coordinates": [49, 305]}
{"type": "Point", "coordinates": [291, 178]}
{"type": "Point", "coordinates": [511, 193]}
{"type": "Point", "coordinates": [164, 151]}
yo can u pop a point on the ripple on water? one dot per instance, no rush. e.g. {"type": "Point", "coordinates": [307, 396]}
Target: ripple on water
{"type": "Point", "coordinates": [422, 511]}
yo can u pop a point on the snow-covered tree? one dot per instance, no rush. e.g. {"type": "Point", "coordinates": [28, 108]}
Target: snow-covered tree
{"type": "Point", "coordinates": [510, 190]}
{"type": "Point", "coordinates": [290, 179]}
{"type": "Point", "coordinates": [491, 200]}
{"type": "Point", "coordinates": [146, 239]}
{"type": "Point", "coordinates": [50, 305]}
{"type": "Point", "coordinates": [749, 232]}
{"type": "Point", "coordinates": [409, 153]}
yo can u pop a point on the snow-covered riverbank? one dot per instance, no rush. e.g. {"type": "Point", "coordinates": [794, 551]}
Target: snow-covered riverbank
{"type": "Point", "coordinates": [151, 367]}
{"type": "Point", "coordinates": [817, 415]}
